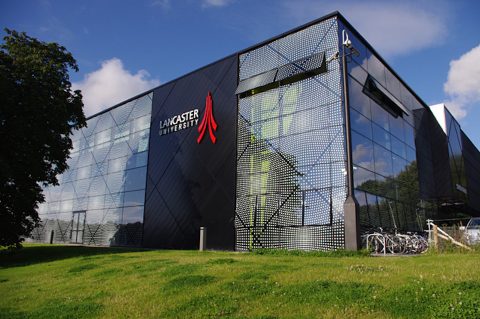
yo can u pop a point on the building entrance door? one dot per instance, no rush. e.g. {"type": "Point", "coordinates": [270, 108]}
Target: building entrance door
{"type": "Point", "coordinates": [78, 227]}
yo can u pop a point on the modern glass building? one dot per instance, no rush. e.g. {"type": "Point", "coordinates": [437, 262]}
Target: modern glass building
{"type": "Point", "coordinates": [267, 148]}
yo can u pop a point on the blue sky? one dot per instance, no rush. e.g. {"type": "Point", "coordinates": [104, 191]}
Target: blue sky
{"type": "Point", "coordinates": [126, 47]}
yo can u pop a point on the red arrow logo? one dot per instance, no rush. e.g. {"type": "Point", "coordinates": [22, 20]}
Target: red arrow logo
{"type": "Point", "coordinates": [208, 120]}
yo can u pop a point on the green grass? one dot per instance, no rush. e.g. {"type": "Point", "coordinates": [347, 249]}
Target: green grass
{"type": "Point", "coordinates": [42, 281]}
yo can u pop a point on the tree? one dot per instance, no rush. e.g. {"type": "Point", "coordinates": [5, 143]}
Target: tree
{"type": "Point", "coordinates": [38, 112]}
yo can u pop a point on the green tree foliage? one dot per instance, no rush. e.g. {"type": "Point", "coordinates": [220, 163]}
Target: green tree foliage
{"type": "Point", "coordinates": [38, 112]}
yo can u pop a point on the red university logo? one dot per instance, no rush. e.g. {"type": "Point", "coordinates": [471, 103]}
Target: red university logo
{"type": "Point", "coordinates": [207, 121]}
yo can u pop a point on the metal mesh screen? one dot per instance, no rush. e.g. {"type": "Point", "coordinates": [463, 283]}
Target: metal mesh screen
{"type": "Point", "coordinates": [290, 150]}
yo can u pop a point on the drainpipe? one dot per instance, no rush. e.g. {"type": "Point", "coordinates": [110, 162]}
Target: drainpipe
{"type": "Point", "coordinates": [350, 206]}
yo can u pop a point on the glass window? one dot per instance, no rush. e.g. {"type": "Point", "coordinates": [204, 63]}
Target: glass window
{"type": "Point", "coordinates": [406, 97]}
{"type": "Point", "coordinates": [399, 164]}
{"type": "Point", "coordinates": [393, 84]}
{"type": "Point", "coordinates": [363, 179]}
{"type": "Point", "coordinates": [90, 141]}
{"type": "Point", "coordinates": [80, 203]}
{"type": "Point", "coordinates": [358, 99]}
{"type": "Point", "coordinates": [411, 156]}
{"type": "Point", "coordinates": [376, 68]}
{"type": "Point", "coordinates": [115, 182]}
{"type": "Point", "coordinates": [99, 168]}
{"type": "Point", "coordinates": [375, 219]}
{"type": "Point", "coordinates": [53, 207]}
{"type": "Point", "coordinates": [357, 72]}
{"type": "Point", "coordinates": [360, 123]}
{"type": "Point", "coordinates": [103, 136]}
{"type": "Point", "coordinates": [383, 160]}
{"type": "Point", "coordinates": [66, 205]}
{"type": "Point", "coordinates": [96, 202]}
{"type": "Point", "coordinates": [398, 147]}
{"type": "Point", "coordinates": [113, 200]}
{"type": "Point", "coordinates": [139, 141]}
{"type": "Point", "coordinates": [83, 172]}
{"type": "Point", "coordinates": [141, 123]}
{"type": "Point", "coordinates": [380, 116]}
{"type": "Point", "coordinates": [121, 132]}
{"type": "Point", "coordinates": [68, 192]}
{"type": "Point", "coordinates": [117, 164]}
{"type": "Point", "coordinates": [396, 127]}
{"type": "Point", "coordinates": [381, 136]}
{"type": "Point", "coordinates": [362, 151]}
{"type": "Point", "coordinates": [135, 198]}
{"type": "Point", "coordinates": [132, 215]}
{"type": "Point", "coordinates": [135, 178]}
{"type": "Point", "coordinates": [409, 136]}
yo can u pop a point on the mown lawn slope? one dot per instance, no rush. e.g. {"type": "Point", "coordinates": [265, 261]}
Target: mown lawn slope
{"type": "Point", "coordinates": [53, 281]}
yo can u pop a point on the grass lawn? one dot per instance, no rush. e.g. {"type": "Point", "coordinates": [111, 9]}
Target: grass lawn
{"type": "Point", "coordinates": [49, 281]}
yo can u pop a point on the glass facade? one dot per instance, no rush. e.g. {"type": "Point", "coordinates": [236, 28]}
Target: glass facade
{"type": "Point", "coordinates": [455, 152]}
{"type": "Point", "coordinates": [101, 196]}
{"type": "Point", "coordinates": [290, 149]}
{"type": "Point", "coordinates": [383, 145]}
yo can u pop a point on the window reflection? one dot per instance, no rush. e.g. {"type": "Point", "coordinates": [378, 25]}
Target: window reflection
{"type": "Point", "coordinates": [135, 178]}
{"type": "Point", "coordinates": [362, 149]}
{"type": "Point", "coordinates": [376, 68]}
{"type": "Point", "coordinates": [381, 136]}
{"type": "Point", "coordinates": [135, 198]}
{"type": "Point", "coordinates": [363, 179]}
{"type": "Point", "coordinates": [399, 164]}
{"type": "Point", "coordinates": [358, 99]}
{"type": "Point", "coordinates": [383, 160]}
{"type": "Point", "coordinates": [398, 147]}
{"type": "Point", "coordinates": [132, 215]}
{"type": "Point", "coordinates": [360, 123]}
{"type": "Point", "coordinates": [380, 116]}
{"type": "Point", "coordinates": [357, 72]}
{"type": "Point", "coordinates": [393, 85]}
{"type": "Point", "coordinates": [396, 127]}
{"type": "Point", "coordinates": [411, 156]}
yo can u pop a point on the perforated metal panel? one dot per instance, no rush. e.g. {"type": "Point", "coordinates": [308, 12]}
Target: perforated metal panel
{"type": "Point", "coordinates": [290, 149]}
{"type": "Point", "coordinates": [106, 179]}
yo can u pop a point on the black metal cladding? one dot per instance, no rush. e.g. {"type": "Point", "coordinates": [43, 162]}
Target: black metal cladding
{"type": "Point", "coordinates": [190, 185]}
{"type": "Point", "coordinates": [286, 74]}
{"type": "Point", "coordinates": [432, 159]}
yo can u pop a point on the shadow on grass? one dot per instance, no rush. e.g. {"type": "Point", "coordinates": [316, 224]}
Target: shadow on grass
{"type": "Point", "coordinates": [35, 254]}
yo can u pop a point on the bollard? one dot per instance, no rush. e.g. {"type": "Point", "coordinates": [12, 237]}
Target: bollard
{"type": "Point", "coordinates": [51, 237]}
{"type": "Point", "coordinates": [203, 238]}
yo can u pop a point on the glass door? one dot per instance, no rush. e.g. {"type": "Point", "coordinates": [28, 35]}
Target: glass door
{"type": "Point", "coordinates": [78, 227]}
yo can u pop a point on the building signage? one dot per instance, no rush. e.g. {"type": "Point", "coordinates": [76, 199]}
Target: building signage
{"type": "Point", "coordinates": [190, 119]}
{"type": "Point", "coordinates": [208, 121]}
{"type": "Point", "coordinates": [179, 122]}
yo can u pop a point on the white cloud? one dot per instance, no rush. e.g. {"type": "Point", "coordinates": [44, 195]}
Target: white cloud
{"type": "Point", "coordinates": [393, 28]}
{"type": "Point", "coordinates": [164, 4]}
{"type": "Point", "coordinates": [463, 83]}
{"type": "Point", "coordinates": [215, 3]}
{"type": "Point", "coordinates": [111, 84]}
